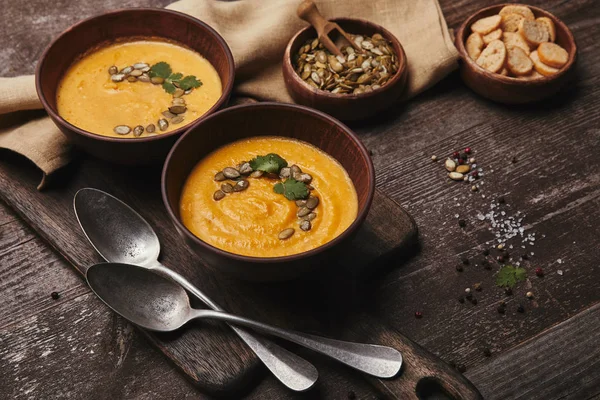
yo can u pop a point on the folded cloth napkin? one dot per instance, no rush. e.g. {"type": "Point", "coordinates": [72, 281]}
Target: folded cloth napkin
{"type": "Point", "coordinates": [257, 32]}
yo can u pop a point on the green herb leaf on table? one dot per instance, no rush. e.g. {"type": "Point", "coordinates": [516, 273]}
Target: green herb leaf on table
{"type": "Point", "coordinates": [189, 82]}
{"type": "Point", "coordinates": [508, 276]}
{"type": "Point", "coordinates": [270, 163]}
{"type": "Point", "coordinates": [161, 69]}
{"type": "Point", "coordinates": [292, 189]}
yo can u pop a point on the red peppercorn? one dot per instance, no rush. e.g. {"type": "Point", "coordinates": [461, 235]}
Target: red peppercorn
{"type": "Point", "coordinates": [468, 150]}
{"type": "Point", "coordinates": [418, 314]}
{"type": "Point", "coordinates": [456, 154]}
{"type": "Point", "coordinates": [539, 272]}
{"type": "Point", "coordinates": [461, 161]}
{"type": "Point", "coordinates": [475, 174]}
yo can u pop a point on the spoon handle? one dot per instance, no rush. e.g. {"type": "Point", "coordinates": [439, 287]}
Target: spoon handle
{"type": "Point", "coordinates": [293, 371]}
{"type": "Point", "coordinates": [379, 361]}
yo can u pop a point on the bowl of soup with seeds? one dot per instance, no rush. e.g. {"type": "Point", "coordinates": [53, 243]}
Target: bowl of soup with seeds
{"type": "Point", "coordinates": [268, 191]}
{"type": "Point", "coordinates": [125, 85]}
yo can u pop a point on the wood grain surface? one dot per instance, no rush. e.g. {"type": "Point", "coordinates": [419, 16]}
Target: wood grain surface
{"type": "Point", "coordinates": [539, 354]}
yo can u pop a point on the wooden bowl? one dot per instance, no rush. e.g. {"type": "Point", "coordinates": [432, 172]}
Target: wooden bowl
{"type": "Point", "coordinates": [347, 107]}
{"type": "Point", "coordinates": [267, 119]}
{"type": "Point", "coordinates": [509, 90]}
{"type": "Point", "coordinates": [107, 28]}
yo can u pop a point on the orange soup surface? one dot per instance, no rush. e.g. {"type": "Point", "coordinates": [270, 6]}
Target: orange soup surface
{"type": "Point", "coordinates": [90, 99]}
{"type": "Point", "coordinates": [249, 222]}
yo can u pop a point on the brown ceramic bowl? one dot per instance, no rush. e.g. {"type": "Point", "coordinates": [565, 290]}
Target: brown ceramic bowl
{"type": "Point", "coordinates": [120, 25]}
{"type": "Point", "coordinates": [267, 119]}
{"type": "Point", "coordinates": [347, 107]}
{"type": "Point", "coordinates": [509, 90]}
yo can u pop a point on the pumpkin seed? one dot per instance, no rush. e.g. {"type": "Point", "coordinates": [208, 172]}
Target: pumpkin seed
{"type": "Point", "coordinates": [450, 165]}
{"type": "Point", "coordinates": [144, 78]}
{"type": "Point", "coordinates": [310, 217]}
{"type": "Point", "coordinates": [241, 185]}
{"type": "Point", "coordinates": [188, 91]}
{"type": "Point", "coordinates": [457, 176]}
{"type": "Point", "coordinates": [245, 168]}
{"type": "Point", "coordinates": [178, 92]}
{"type": "Point", "coordinates": [177, 109]}
{"type": "Point", "coordinates": [285, 172]}
{"type": "Point", "coordinates": [163, 124]}
{"type": "Point", "coordinates": [218, 195]}
{"type": "Point", "coordinates": [122, 129]}
{"type": "Point", "coordinates": [305, 225]}
{"type": "Point", "coordinates": [302, 212]}
{"type": "Point", "coordinates": [312, 202]}
{"type": "Point", "coordinates": [150, 128]}
{"type": "Point", "coordinates": [168, 114]}
{"type": "Point", "coordinates": [178, 101]}
{"type": "Point", "coordinates": [178, 119]}
{"type": "Point", "coordinates": [286, 233]}
{"type": "Point", "coordinates": [117, 77]}
{"type": "Point", "coordinates": [136, 73]}
{"type": "Point", "coordinates": [113, 70]}
{"type": "Point", "coordinates": [463, 169]}
{"type": "Point", "coordinates": [227, 187]}
{"type": "Point", "coordinates": [295, 170]}
{"type": "Point", "coordinates": [157, 80]}
{"type": "Point", "coordinates": [220, 176]}
{"type": "Point", "coordinates": [127, 70]}
{"type": "Point", "coordinates": [140, 66]}
{"type": "Point", "coordinates": [256, 174]}
{"type": "Point", "coordinates": [138, 130]}
{"type": "Point", "coordinates": [306, 178]}
{"type": "Point", "coordinates": [300, 203]}
{"type": "Point", "coordinates": [132, 78]}
{"type": "Point", "coordinates": [231, 173]}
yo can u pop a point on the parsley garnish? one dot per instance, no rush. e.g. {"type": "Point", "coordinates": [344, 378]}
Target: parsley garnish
{"type": "Point", "coordinates": [163, 70]}
{"type": "Point", "coordinates": [508, 276]}
{"type": "Point", "coordinates": [270, 163]}
{"type": "Point", "coordinates": [292, 189]}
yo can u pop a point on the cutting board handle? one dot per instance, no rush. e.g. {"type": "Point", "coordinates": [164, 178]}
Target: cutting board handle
{"type": "Point", "coordinates": [423, 375]}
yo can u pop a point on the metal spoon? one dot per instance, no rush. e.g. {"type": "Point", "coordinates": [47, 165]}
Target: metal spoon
{"type": "Point", "coordinates": [119, 234]}
{"type": "Point", "coordinates": [154, 302]}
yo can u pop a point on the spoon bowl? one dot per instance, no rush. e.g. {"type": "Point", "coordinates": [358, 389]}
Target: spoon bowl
{"type": "Point", "coordinates": [144, 298]}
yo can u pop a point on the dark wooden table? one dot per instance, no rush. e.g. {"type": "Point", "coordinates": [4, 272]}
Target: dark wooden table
{"type": "Point", "coordinates": [543, 159]}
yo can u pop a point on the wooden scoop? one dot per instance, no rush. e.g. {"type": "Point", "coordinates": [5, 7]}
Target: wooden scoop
{"type": "Point", "coordinates": [308, 11]}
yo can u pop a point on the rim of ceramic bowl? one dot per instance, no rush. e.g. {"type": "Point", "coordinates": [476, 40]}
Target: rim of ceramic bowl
{"type": "Point", "coordinates": [402, 65]}
{"type": "Point", "coordinates": [226, 91]}
{"type": "Point", "coordinates": [460, 44]}
{"type": "Point", "coordinates": [360, 217]}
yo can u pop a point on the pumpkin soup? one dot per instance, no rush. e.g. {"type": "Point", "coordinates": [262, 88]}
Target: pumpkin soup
{"type": "Point", "coordinates": [137, 88]}
{"type": "Point", "coordinates": [290, 197]}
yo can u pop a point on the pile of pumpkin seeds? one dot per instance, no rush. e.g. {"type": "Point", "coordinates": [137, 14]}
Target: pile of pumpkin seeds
{"type": "Point", "coordinates": [354, 72]}
{"type": "Point", "coordinates": [239, 176]}
{"type": "Point", "coordinates": [138, 72]}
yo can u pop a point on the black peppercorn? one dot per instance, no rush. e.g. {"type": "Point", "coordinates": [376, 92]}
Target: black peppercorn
{"type": "Point", "coordinates": [486, 264]}
{"type": "Point", "coordinates": [525, 256]}
{"type": "Point", "coordinates": [508, 291]}
{"type": "Point", "coordinates": [459, 268]}
{"type": "Point", "coordinates": [461, 368]}
{"type": "Point", "coordinates": [351, 395]}
{"type": "Point", "coordinates": [486, 252]}
{"type": "Point", "coordinates": [461, 299]}
{"type": "Point", "coordinates": [55, 295]}
{"type": "Point", "coordinates": [474, 301]}
{"type": "Point", "coordinates": [465, 261]}
{"type": "Point", "coordinates": [501, 309]}
{"type": "Point", "coordinates": [462, 223]}
{"type": "Point", "coordinates": [501, 200]}
{"type": "Point", "coordinates": [487, 352]}
{"type": "Point", "coordinates": [521, 309]}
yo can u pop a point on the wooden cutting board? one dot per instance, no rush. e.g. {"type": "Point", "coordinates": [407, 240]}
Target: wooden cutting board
{"type": "Point", "coordinates": [209, 353]}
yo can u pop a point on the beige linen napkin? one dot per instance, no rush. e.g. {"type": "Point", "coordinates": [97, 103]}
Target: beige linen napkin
{"type": "Point", "coordinates": [257, 32]}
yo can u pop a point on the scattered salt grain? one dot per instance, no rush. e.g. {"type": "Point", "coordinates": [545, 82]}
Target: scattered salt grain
{"type": "Point", "coordinates": [560, 272]}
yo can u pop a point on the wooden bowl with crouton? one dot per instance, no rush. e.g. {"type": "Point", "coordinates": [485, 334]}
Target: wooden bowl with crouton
{"type": "Point", "coordinates": [515, 53]}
